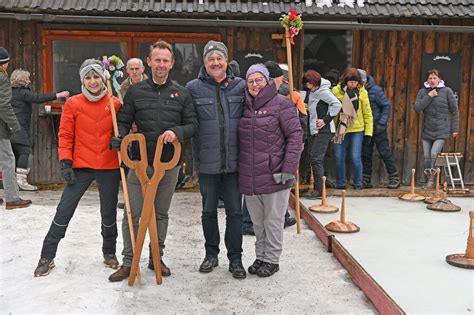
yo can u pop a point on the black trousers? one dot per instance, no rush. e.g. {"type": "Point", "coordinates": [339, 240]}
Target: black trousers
{"type": "Point", "coordinates": [108, 184]}
{"type": "Point", "coordinates": [22, 154]}
{"type": "Point", "coordinates": [380, 140]}
{"type": "Point", "coordinates": [319, 147]}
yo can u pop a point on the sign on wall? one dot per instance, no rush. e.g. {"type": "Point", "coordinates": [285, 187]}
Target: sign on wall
{"type": "Point", "coordinates": [450, 67]}
{"type": "Point", "coordinates": [246, 59]}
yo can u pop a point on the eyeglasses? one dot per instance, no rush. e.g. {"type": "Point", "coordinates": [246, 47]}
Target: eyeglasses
{"type": "Point", "coordinates": [257, 81]}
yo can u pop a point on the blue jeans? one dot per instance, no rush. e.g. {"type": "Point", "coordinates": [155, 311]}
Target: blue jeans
{"type": "Point", "coordinates": [355, 147]}
{"type": "Point", "coordinates": [226, 185]}
{"type": "Point", "coordinates": [431, 148]}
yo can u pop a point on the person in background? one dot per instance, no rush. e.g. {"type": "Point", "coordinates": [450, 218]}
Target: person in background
{"type": "Point", "coordinates": [135, 71]}
{"type": "Point", "coordinates": [323, 107]}
{"type": "Point", "coordinates": [218, 98]}
{"type": "Point", "coordinates": [355, 125]}
{"type": "Point", "coordinates": [270, 138]}
{"type": "Point", "coordinates": [22, 99]}
{"type": "Point", "coordinates": [440, 120]}
{"type": "Point", "coordinates": [163, 111]}
{"type": "Point", "coordinates": [381, 113]}
{"type": "Point", "coordinates": [85, 131]}
{"type": "Point", "coordinates": [9, 126]}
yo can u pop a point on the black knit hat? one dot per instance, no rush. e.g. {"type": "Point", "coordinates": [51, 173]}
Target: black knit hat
{"type": "Point", "coordinates": [274, 69]}
{"type": "Point", "coordinates": [4, 56]}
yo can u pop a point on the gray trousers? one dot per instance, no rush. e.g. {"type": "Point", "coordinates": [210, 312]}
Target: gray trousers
{"type": "Point", "coordinates": [268, 216]}
{"type": "Point", "coordinates": [7, 167]}
{"type": "Point", "coordinates": [162, 204]}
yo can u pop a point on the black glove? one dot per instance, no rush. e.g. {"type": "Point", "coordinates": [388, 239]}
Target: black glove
{"type": "Point", "coordinates": [367, 140]}
{"type": "Point", "coordinates": [380, 128]}
{"type": "Point", "coordinates": [115, 143]}
{"type": "Point", "coordinates": [67, 172]}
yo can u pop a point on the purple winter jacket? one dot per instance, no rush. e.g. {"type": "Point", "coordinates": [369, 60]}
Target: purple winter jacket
{"type": "Point", "coordinates": [270, 138]}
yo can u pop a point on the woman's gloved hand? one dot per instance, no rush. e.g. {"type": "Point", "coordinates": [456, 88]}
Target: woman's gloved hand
{"type": "Point", "coordinates": [282, 178]}
{"type": "Point", "coordinates": [67, 172]}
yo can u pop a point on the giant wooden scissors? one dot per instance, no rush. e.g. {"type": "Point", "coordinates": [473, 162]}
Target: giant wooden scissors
{"type": "Point", "coordinates": [149, 190]}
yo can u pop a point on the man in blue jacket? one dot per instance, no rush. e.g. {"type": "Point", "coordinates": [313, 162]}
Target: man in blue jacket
{"type": "Point", "coordinates": [381, 112]}
{"type": "Point", "coordinates": [218, 98]}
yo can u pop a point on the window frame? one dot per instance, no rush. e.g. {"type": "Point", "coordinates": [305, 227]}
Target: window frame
{"type": "Point", "coordinates": [133, 40]}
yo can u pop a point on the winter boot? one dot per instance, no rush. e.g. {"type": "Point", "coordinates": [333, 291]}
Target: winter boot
{"type": "Point", "coordinates": [21, 179]}
{"type": "Point", "coordinates": [110, 260]}
{"type": "Point", "coordinates": [44, 267]}
{"type": "Point", "coordinates": [430, 174]}
{"type": "Point", "coordinates": [393, 181]}
{"type": "Point", "coordinates": [366, 181]}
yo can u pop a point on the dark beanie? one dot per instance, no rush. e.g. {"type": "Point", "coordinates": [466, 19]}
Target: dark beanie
{"type": "Point", "coordinates": [274, 69]}
{"type": "Point", "coordinates": [4, 56]}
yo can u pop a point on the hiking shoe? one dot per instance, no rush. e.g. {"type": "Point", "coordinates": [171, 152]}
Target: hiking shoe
{"type": "Point", "coordinates": [165, 271]}
{"type": "Point", "coordinates": [238, 270]}
{"type": "Point", "coordinates": [110, 260]}
{"type": "Point", "coordinates": [254, 267]}
{"type": "Point", "coordinates": [1, 201]}
{"type": "Point", "coordinates": [313, 195]}
{"type": "Point", "coordinates": [393, 181]}
{"type": "Point", "coordinates": [20, 203]}
{"type": "Point", "coordinates": [44, 267]}
{"type": "Point", "coordinates": [121, 274]}
{"type": "Point", "coordinates": [289, 222]}
{"type": "Point", "coordinates": [267, 269]}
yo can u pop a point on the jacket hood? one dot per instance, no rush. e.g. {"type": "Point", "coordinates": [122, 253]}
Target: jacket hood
{"type": "Point", "coordinates": [263, 97]}
{"type": "Point", "coordinates": [370, 82]}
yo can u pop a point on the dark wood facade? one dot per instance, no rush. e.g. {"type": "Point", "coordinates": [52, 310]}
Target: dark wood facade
{"type": "Point", "coordinates": [392, 57]}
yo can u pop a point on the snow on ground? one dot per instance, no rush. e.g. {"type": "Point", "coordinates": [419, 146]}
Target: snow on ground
{"type": "Point", "coordinates": [310, 280]}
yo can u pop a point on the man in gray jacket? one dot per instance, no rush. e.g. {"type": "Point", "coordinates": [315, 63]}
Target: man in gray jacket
{"type": "Point", "coordinates": [218, 98]}
{"type": "Point", "coordinates": [8, 126]}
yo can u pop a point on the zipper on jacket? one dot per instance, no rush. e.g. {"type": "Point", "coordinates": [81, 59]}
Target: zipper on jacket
{"type": "Point", "coordinates": [221, 118]}
{"type": "Point", "coordinates": [252, 150]}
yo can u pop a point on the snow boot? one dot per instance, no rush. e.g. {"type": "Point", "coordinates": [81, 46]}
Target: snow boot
{"type": "Point", "coordinates": [393, 181]}
{"type": "Point", "coordinates": [22, 179]}
{"type": "Point", "coordinates": [44, 267]}
{"type": "Point", "coordinates": [430, 174]}
{"type": "Point", "coordinates": [110, 260]}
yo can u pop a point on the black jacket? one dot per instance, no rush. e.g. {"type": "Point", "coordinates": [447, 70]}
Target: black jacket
{"type": "Point", "coordinates": [155, 109]}
{"type": "Point", "coordinates": [22, 98]}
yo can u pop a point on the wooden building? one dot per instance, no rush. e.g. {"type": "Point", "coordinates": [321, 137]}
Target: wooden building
{"type": "Point", "coordinates": [395, 41]}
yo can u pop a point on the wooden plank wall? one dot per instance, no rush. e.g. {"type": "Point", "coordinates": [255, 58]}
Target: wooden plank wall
{"type": "Point", "coordinates": [23, 42]}
{"type": "Point", "coordinates": [394, 60]}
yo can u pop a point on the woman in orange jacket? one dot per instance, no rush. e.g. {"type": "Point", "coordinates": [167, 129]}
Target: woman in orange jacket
{"type": "Point", "coordinates": [84, 135]}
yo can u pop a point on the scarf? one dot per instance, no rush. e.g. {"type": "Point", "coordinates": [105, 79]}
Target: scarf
{"type": "Point", "coordinates": [350, 105]}
{"type": "Point", "coordinates": [93, 98]}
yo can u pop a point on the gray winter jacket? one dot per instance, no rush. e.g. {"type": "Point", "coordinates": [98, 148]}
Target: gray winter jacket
{"type": "Point", "coordinates": [440, 113]}
{"type": "Point", "coordinates": [332, 107]}
{"type": "Point", "coordinates": [8, 122]}
{"type": "Point", "coordinates": [218, 108]}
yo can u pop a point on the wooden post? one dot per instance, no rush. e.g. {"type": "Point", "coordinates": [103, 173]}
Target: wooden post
{"type": "Point", "coordinates": [123, 177]}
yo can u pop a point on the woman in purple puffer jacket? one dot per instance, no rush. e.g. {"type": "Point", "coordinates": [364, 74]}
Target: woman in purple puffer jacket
{"type": "Point", "coordinates": [270, 138]}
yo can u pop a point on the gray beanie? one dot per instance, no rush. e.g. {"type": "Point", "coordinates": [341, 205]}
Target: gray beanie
{"type": "Point", "coordinates": [215, 46]}
{"type": "Point", "coordinates": [258, 67]}
{"type": "Point", "coordinates": [4, 56]}
{"type": "Point", "coordinates": [92, 65]}
{"type": "Point", "coordinates": [363, 76]}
